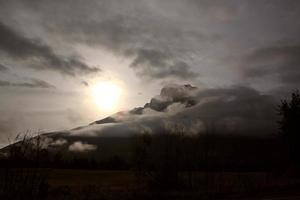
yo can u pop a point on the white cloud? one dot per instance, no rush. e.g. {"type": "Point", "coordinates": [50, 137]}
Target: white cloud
{"type": "Point", "coordinates": [59, 142]}
{"type": "Point", "coordinates": [78, 146]}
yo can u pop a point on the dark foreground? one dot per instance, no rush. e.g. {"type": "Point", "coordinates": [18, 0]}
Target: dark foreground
{"type": "Point", "coordinates": [101, 184]}
{"type": "Point", "coordinates": [166, 166]}
{"type": "Point", "coordinates": [83, 184]}
{"type": "Point", "coordinates": [226, 185]}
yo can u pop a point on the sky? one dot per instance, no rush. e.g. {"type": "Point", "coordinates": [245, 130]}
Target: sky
{"type": "Point", "coordinates": [55, 56]}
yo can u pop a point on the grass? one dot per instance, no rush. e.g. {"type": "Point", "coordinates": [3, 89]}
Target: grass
{"type": "Point", "coordinates": [100, 178]}
{"type": "Point", "coordinates": [93, 184]}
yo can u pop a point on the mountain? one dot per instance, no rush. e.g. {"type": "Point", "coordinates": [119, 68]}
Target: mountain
{"type": "Point", "coordinates": [226, 111]}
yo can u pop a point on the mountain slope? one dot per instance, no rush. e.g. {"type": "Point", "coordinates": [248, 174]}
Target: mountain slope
{"type": "Point", "coordinates": [235, 110]}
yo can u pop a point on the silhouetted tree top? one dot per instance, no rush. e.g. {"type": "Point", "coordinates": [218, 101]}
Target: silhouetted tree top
{"type": "Point", "coordinates": [289, 124]}
{"type": "Point", "coordinates": [289, 110]}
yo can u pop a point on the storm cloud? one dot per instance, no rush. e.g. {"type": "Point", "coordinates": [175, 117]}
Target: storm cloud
{"type": "Point", "coordinates": [157, 65]}
{"type": "Point", "coordinates": [279, 61]}
{"type": "Point", "coordinates": [41, 56]}
{"type": "Point", "coordinates": [164, 39]}
{"type": "Point", "coordinates": [241, 54]}
{"type": "Point", "coordinates": [121, 28]}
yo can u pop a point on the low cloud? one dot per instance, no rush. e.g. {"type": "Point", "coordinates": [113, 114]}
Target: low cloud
{"type": "Point", "coordinates": [78, 146]}
{"type": "Point", "coordinates": [59, 142]}
{"type": "Point", "coordinates": [34, 83]}
{"type": "Point", "coordinates": [45, 142]}
{"type": "Point", "coordinates": [183, 94]}
{"type": "Point", "coordinates": [233, 110]}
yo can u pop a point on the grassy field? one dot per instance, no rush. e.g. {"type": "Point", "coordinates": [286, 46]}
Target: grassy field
{"type": "Point", "coordinates": [120, 181]}
{"type": "Point", "coordinates": [73, 178]}
{"type": "Point", "coordinates": [101, 184]}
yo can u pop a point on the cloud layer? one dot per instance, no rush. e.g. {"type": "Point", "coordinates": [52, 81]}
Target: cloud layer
{"type": "Point", "coordinates": [162, 39]}
{"type": "Point", "coordinates": [251, 44]}
{"type": "Point", "coordinates": [234, 110]}
{"type": "Point", "coordinates": [40, 55]}
{"type": "Point", "coordinates": [280, 61]}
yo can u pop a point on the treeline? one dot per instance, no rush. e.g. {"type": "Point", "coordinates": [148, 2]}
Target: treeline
{"type": "Point", "coordinates": [211, 152]}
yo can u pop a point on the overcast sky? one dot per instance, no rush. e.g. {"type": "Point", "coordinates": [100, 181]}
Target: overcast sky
{"type": "Point", "coordinates": [53, 51]}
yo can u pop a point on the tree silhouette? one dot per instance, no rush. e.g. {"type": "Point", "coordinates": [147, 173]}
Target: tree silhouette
{"type": "Point", "coordinates": [289, 125]}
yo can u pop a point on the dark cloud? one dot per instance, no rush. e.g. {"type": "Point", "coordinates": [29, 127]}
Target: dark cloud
{"type": "Point", "coordinates": [3, 68]}
{"type": "Point", "coordinates": [169, 95]}
{"type": "Point", "coordinates": [124, 35]}
{"type": "Point", "coordinates": [238, 108]}
{"type": "Point", "coordinates": [34, 83]}
{"type": "Point", "coordinates": [122, 26]}
{"type": "Point", "coordinates": [42, 56]}
{"type": "Point", "coordinates": [280, 61]}
{"type": "Point", "coordinates": [157, 65]}
{"type": "Point", "coordinates": [207, 31]}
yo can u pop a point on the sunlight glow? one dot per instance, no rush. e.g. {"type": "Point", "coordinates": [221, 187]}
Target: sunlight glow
{"type": "Point", "coordinates": [106, 95]}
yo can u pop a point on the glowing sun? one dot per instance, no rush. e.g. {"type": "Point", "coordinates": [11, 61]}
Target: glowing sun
{"type": "Point", "coordinates": [106, 95]}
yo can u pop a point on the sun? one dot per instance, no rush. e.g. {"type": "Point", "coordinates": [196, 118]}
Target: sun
{"type": "Point", "coordinates": [106, 95]}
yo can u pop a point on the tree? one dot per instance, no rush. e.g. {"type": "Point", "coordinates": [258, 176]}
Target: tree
{"type": "Point", "coordinates": [289, 125]}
